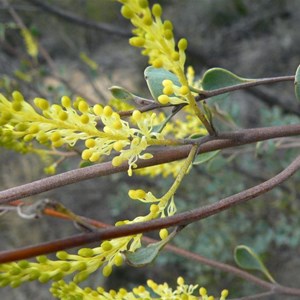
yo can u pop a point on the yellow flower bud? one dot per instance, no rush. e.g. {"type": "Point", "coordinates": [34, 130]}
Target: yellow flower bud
{"type": "Point", "coordinates": [90, 143]}
{"type": "Point", "coordinates": [118, 146]}
{"type": "Point", "coordinates": [41, 103]}
{"type": "Point", "coordinates": [184, 90]}
{"type": "Point", "coordinates": [168, 90]}
{"type": "Point", "coordinates": [143, 3]}
{"type": "Point", "coordinates": [136, 115]}
{"type": "Point", "coordinates": [137, 41]}
{"type": "Point", "coordinates": [163, 99]}
{"type": "Point", "coordinates": [107, 111]}
{"type": "Point", "coordinates": [107, 271]}
{"type": "Point", "coordinates": [157, 10]}
{"type": "Point", "coordinates": [86, 154]}
{"type": "Point", "coordinates": [98, 109]}
{"type": "Point", "coordinates": [83, 106]}
{"type": "Point", "coordinates": [182, 44]}
{"type": "Point", "coordinates": [117, 161]}
{"type": "Point", "coordinates": [163, 234]}
{"type": "Point", "coordinates": [66, 101]}
{"type": "Point", "coordinates": [202, 291]}
{"type": "Point", "coordinates": [180, 281]}
{"type": "Point", "coordinates": [84, 119]}
{"type": "Point", "coordinates": [126, 12]}
{"type": "Point", "coordinates": [157, 63]}
{"type": "Point", "coordinates": [106, 246]}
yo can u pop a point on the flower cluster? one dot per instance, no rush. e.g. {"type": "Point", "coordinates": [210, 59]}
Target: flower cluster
{"type": "Point", "coordinates": [154, 35]}
{"type": "Point", "coordinates": [154, 291]}
{"type": "Point", "coordinates": [65, 124]}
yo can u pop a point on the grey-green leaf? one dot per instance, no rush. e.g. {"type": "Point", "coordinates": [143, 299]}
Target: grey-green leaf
{"type": "Point", "coordinates": [246, 258]}
{"type": "Point", "coordinates": [297, 83]}
{"type": "Point", "coordinates": [146, 255]}
{"type": "Point", "coordinates": [217, 78]}
{"type": "Point", "coordinates": [204, 157]}
{"type": "Point", "coordinates": [154, 78]}
{"type": "Point", "coordinates": [126, 96]}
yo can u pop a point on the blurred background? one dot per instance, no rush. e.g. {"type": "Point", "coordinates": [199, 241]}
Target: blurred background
{"type": "Point", "coordinates": [84, 50]}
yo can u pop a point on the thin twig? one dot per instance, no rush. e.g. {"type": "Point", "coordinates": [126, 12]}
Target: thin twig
{"type": "Point", "coordinates": [208, 94]}
{"type": "Point", "coordinates": [67, 16]}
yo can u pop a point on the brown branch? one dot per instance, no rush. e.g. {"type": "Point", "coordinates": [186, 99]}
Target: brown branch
{"type": "Point", "coordinates": [208, 94]}
{"type": "Point", "coordinates": [176, 220]}
{"type": "Point", "coordinates": [165, 155]}
{"type": "Point", "coordinates": [70, 17]}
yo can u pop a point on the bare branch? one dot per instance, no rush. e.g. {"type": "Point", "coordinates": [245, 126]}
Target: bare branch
{"type": "Point", "coordinates": [176, 220]}
{"type": "Point", "coordinates": [167, 154]}
{"type": "Point", "coordinates": [67, 16]}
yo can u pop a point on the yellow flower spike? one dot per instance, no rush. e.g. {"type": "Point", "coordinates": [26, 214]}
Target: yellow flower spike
{"type": "Point", "coordinates": [211, 298]}
{"type": "Point", "coordinates": [66, 102]}
{"type": "Point", "coordinates": [107, 111]}
{"type": "Point", "coordinates": [163, 234]}
{"type": "Point", "coordinates": [163, 99]}
{"type": "Point", "coordinates": [41, 103]}
{"type": "Point", "coordinates": [157, 10]}
{"type": "Point", "coordinates": [98, 109]}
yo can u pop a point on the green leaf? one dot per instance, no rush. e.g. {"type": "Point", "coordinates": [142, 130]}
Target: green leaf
{"type": "Point", "coordinates": [217, 78]}
{"type": "Point", "coordinates": [297, 83]}
{"type": "Point", "coordinates": [204, 157]}
{"type": "Point", "coordinates": [154, 78]}
{"type": "Point", "coordinates": [146, 255]}
{"type": "Point", "coordinates": [246, 258]}
{"type": "Point", "coordinates": [124, 95]}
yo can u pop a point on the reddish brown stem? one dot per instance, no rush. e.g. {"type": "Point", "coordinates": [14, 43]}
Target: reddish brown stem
{"type": "Point", "coordinates": [176, 220]}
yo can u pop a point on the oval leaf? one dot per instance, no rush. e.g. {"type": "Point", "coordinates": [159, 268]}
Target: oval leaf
{"type": "Point", "coordinates": [121, 93]}
{"type": "Point", "coordinates": [246, 258]}
{"type": "Point", "coordinates": [217, 78]}
{"type": "Point", "coordinates": [204, 157]}
{"type": "Point", "coordinates": [146, 255]}
{"type": "Point", "coordinates": [154, 78]}
{"type": "Point", "coordinates": [297, 83]}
